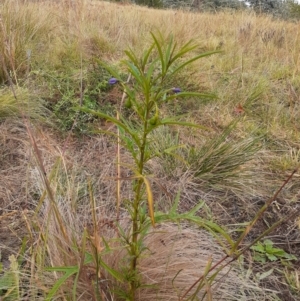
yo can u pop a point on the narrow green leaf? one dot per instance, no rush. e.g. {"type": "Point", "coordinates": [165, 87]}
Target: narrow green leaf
{"type": "Point", "coordinates": [174, 208]}
{"type": "Point", "coordinates": [150, 71]}
{"type": "Point", "coordinates": [146, 56]}
{"type": "Point", "coordinates": [213, 228]}
{"type": "Point", "coordinates": [132, 128]}
{"type": "Point", "coordinates": [174, 122]}
{"type": "Point", "coordinates": [175, 147]}
{"type": "Point", "coordinates": [135, 72]}
{"type": "Point", "coordinates": [88, 258]}
{"type": "Point", "coordinates": [159, 49]}
{"type": "Point", "coordinates": [168, 52]}
{"type": "Point", "coordinates": [113, 72]}
{"type": "Point", "coordinates": [265, 274]}
{"type": "Point", "coordinates": [150, 200]}
{"type": "Point", "coordinates": [194, 210]}
{"type": "Point", "coordinates": [74, 289]}
{"type": "Point", "coordinates": [129, 144]}
{"type": "Point", "coordinates": [203, 282]}
{"type": "Point", "coordinates": [122, 232]}
{"type": "Point", "coordinates": [69, 271]}
{"type": "Point", "coordinates": [133, 58]}
{"type": "Point", "coordinates": [129, 92]}
{"type": "Point", "coordinates": [103, 132]}
{"type": "Point", "coordinates": [191, 94]}
{"type": "Point", "coordinates": [107, 247]}
{"type": "Point", "coordinates": [192, 60]}
{"type": "Point", "coordinates": [118, 276]}
{"type": "Point", "coordinates": [109, 118]}
{"type": "Point", "coordinates": [170, 152]}
{"type": "Point", "coordinates": [174, 278]}
{"type": "Point", "coordinates": [183, 50]}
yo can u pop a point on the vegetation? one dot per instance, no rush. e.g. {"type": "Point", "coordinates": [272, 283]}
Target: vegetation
{"type": "Point", "coordinates": [282, 9]}
{"type": "Point", "coordinates": [140, 164]}
{"type": "Point", "coordinates": [266, 251]}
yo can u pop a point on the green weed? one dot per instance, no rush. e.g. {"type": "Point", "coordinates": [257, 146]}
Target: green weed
{"type": "Point", "coordinates": [9, 281]}
{"type": "Point", "coordinates": [265, 250]}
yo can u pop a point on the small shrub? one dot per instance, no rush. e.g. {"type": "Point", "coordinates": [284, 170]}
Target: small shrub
{"type": "Point", "coordinates": [146, 94]}
{"type": "Point", "coordinates": [293, 8]}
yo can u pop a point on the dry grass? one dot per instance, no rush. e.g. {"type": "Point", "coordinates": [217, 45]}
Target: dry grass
{"type": "Point", "coordinates": [14, 150]}
{"type": "Point", "coordinates": [256, 79]}
{"type": "Point", "coordinates": [24, 104]}
{"type": "Point", "coordinates": [182, 250]}
{"type": "Point", "coordinates": [170, 248]}
{"type": "Point", "coordinates": [260, 54]}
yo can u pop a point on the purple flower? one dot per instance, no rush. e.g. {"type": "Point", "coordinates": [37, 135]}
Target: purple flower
{"type": "Point", "coordinates": [112, 81]}
{"type": "Point", "coordinates": [176, 90]}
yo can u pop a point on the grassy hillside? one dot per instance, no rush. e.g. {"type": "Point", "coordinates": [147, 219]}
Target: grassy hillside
{"type": "Point", "coordinates": [63, 201]}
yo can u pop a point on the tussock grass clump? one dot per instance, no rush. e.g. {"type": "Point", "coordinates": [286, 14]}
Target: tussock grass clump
{"type": "Point", "coordinates": [25, 29]}
{"type": "Point", "coordinates": [22, 104]}
{"type": "Point", "coordinates": [177, 256]}
{"type": "Point", "coordinates": [220, 164]}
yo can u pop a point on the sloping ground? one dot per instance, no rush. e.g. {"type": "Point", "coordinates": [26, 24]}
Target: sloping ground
{"type": "Point", "coordinates": [22, 190]}
{"type": "Point", "coordinates": [170, 249]}
{"type": "Point", "coordinates": [256, 78]}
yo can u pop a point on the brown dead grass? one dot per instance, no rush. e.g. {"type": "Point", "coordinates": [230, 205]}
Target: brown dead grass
{"type": "Point", "coordinates": [14, 166]}
{"type": "Point", "coordinates": [170, 248]}
{"type": "Point", "coordinates": [259, 53]}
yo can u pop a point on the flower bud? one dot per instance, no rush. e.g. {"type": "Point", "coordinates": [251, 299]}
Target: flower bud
{"type": "Point", "coordinates": [153, 120]}
{"type": "Point", "coordinates": [176, 90]}
{"type": "Point", "coordinates": [112, 81]}
{"type": "Point", "coordinates": [128, 103]}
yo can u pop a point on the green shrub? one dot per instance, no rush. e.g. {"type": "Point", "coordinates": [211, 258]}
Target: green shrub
{"type": "Point", "coordinates": [293, 8]}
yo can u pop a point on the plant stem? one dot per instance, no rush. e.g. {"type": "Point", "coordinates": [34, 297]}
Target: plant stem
{"type": "Point", "coordinates": [134, 240]}
{"type": "Point", "coordinates": [135, 218]}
